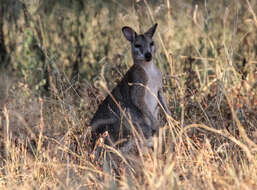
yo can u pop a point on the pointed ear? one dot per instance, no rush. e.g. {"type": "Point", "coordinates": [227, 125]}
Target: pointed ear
{"type": "Point", "coordinates": [150, 32]}
{"type": "Point", "coordinates": [129, 33]}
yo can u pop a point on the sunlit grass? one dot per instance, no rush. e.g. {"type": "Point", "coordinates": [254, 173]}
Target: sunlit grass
{"type": "Point", "coordinates": [207, 54]}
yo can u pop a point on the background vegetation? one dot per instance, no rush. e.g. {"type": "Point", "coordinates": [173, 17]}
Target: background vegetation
{"type": "Point", "coordinates": [57, 57]}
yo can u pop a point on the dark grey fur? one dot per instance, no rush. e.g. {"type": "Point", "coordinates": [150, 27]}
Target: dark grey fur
{"type": "Point", "coordinates": [138, 94]}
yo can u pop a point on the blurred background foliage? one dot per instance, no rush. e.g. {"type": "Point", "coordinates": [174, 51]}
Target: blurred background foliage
{"type": "Point", "coordinates": [40, 38]}
{"type": "Point", "coordinates": [63, 47]}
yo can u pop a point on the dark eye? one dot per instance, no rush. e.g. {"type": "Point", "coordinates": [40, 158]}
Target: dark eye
{"type": "Point", "coordinates": [151, 44]}
{"type": "Point", "coordinates": [137, 45]}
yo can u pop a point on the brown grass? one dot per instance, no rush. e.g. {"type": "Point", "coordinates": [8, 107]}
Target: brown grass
{"type": "Point", "coordinates": [207, 54]}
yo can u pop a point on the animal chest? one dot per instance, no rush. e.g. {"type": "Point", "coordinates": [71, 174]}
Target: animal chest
{"type": "Point", "coordinates": [154, 83]}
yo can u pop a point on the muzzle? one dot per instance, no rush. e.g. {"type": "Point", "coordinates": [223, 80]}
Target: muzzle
{"type": "Point", "coordinates": [148, 56]}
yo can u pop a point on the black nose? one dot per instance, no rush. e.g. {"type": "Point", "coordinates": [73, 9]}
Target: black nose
{"type": "Point", "coordinates": [148, 56]}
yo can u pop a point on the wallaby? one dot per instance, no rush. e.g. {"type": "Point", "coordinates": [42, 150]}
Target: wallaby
{"type": "Point", "coordinates": [137, 95]}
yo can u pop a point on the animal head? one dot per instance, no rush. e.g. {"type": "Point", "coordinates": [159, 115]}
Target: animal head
{"type": "Point", "coordinates": [143, 47]}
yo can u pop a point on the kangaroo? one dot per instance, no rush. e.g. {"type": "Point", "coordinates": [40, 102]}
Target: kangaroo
{"type": "Point", "coordinates": [138, 93]}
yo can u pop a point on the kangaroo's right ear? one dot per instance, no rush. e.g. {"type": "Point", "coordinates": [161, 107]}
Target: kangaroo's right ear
{"type": "Point", "coordinates": [129, 33]}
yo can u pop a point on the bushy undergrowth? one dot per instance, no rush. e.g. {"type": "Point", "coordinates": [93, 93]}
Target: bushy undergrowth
{"type": "Point", "coordinates": [63, 55]}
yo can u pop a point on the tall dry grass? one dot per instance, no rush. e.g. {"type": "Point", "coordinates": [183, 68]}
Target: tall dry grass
{"type": "Point", "coordinates": [207, 54]}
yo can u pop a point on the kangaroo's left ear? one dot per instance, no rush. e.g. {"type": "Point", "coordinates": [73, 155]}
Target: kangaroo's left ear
{"type": "Point", "coordinates": [150, 32]}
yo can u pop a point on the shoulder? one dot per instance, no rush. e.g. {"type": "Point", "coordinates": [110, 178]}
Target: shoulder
{"type": "Point", "coordinates": [138, 74]}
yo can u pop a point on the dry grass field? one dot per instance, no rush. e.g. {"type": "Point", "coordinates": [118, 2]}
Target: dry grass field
{"type": "Point", "coordinates": [63, 56]}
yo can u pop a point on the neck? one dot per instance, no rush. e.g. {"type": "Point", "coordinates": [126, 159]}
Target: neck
{"type": "Point", "coordinates": [143, 63]}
